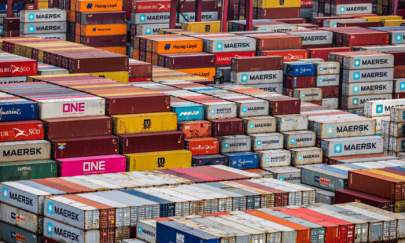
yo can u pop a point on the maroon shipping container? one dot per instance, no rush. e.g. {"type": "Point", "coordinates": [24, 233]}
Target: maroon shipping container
{"type": "Point", "coordinates": [290, 20]}
{"type": "Point", "coordinates": [377, 184]}
{"type": "Point", "coordinates": [11, 24]}
{"type": "Point", "coordinates": [78, 127]}
{"type": "Point", "coordinates": [366, 38]}
{"type": "Point", "coordinates": [361, 24]}
{"type": "Point", "coordinates": [276, 41]}
{"type": "Point", "coordinates": [227, 127]}
{"type": "Point", "coordinates": [324, 52]}
{"type": "Point", "coordinates": [187, 60]}
{"type": "Point", "coordinates": [276, 13]}
{"type": "Point", "coordinates": [139, 69]}
{"type": "Point", "coordinates": [102, 41]}
{"type": "Point", "coordinates": [82, 147]}
{"type": "Point", "coordinates": [101, 18]}
{"type": "Point", "coordinates": [259, 63]}
{"type": "Point", "coordinates": [284, 105]}
{"type": "Point", "coordinates": [347, 195]}
{"type": "Point", "coordinates": [330, 92]}
{"type": "Point", "coordinates": [399, 71]}
{"type": "Point", "coordinates": [150, 142]}
{"type": "Point", "coordinates": [399, 96]}
{"type": "Point", "coordinates": [299, 82]}
{"type": "Point", "coordinates": [146, 103]}
{"type": "Point", "coordinates": [399, 57]}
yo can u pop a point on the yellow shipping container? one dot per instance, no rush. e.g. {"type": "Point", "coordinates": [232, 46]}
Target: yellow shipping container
{"type": "Point", "coordinates": [159, 160]}
{"type": "Point", "coordinates": [147, 122]}
{"type": "Point", "coordinates": [277, 4]}
{"type": "Point", "coordinates": [203, 27]}
{"type": "Point", "coordinates": [208, 72]}
{"type": "Point", "coordinates": [120, 76]}
{"type": "Point", "coordinates": [393, 23]}
{"type": "Point", "coordinates": [381, 18]}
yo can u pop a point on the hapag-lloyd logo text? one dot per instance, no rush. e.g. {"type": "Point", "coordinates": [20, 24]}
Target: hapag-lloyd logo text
{"type": "Point", "coordinates": [74, 107]}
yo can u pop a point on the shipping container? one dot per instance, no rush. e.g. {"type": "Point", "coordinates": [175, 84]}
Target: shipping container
{"type": "Point", "coordinates": [10, 233]}
{"type": "Point", "coordinates": [299, 139]}
{"type": "Point", "coordinates": [149, 142]}
{"type": "Point", "coordinates": [27, 170]}
{"type": "Point", "coordinates": [287, 123]}
{"type": "Point", "coordinates": [21, 218]}
{"type": "Point", "coordinates": [159, 160]}
{"type": "Point", "coordinates": [148, 122]}
{"type": "Point", "coordinates": [237, 143]}
{"type": "Point", "coordinates": [260, 124]}
{"type": "Point", "coordinates": [304, 156]}
{"type": "Point", "coordinates": [267, 141]}
{"type": "Point", "coordinates": [350, 146]}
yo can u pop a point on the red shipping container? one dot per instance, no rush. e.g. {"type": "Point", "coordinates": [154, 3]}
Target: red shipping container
{"type": "Point", "coordinates": [332, 229]}
{"type": "Point", "coordinates": [21, 131]}
{"type": "Point", "coordinates": [288, 55]}
{"type": "Point", "coordinates": [299, 82]}
{"type": "Point", "coordinates": [330, 92]}
{"type": "Point", "coordinates": [82, 147]}
{"type": "Point", "coordinates": [227, 127]}
{"type": "Point", "coordinates": [150, 142]}
{"type": "Point", "coordinates": [18, 67]}
{"type": "Point", "coordinates": [283, 105]}
{"type": "Point", "coordinates": [225, 58]}
{"type": "Point", "coordinates": [195, 129]}
{"type": "Point", "coordinates": [324, 52]}
{"type": "Point", "coordinates": [202, 146]}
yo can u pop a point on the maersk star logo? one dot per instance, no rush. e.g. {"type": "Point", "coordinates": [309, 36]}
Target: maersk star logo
{"type": "Point", "coordinates": [49, 208]}
{"type": "Point", "coordinates": [379, 109]}
{"type": "Point", "coordinates": [31, 28]}
{"type": "Point", "coordinates": [142, 18]}
{"type": "Point", "coordinates": [402, 86]}
{"type": "Point", "coordinates": [300, 157]}
{"type": "Point", "coordinates": [259, 142]}
{"type": "Point", "coordinates": [148, 31]}
{"type": "Point", "coordinates": [219, 46]}
{"type": "Point", "coordinates": [399, 37]}
{"type": "Point", "coordinates": [5, 193]}
{"type": "Point", "coordinates": [245, 77]}
{"type": "Point", "coordinates": [356, 75]}
{"type": "Point", "coordinates": [338, 148]}
{"type": "Point", "coordinates": [244, 109]}
{"type": "Point", "coordinates": [31, 16]}
{"type": "Point", "coordinates": [226, 145]}
{"type": "Point", "coordinates": [49, 228]}
{"type": "Point", "coordinates": [355, 101]}
{"type": "Point", "coordinates": [356, 89]}
{"type": "Point", "coordinates": [357, 63]}
{"type": "Point", "coordinates": [329, 130]}
{"type": "Point", "coordinates": [342, 9]}
{"type": "Point", "coordinates": [293, 141]}
{"type": "Point", "coordinates": [252, 125]}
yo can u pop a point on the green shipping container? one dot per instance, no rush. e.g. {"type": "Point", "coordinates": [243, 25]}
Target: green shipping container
{"type": "Point", "coordinates": [14, 171]}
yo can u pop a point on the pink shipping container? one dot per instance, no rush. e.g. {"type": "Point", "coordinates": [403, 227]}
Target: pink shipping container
{"type": "Point", "coordinates": [92, 165]}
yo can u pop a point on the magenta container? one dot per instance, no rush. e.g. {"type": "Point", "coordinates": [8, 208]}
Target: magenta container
{"type": "Point", "coordinates": [92, 165]}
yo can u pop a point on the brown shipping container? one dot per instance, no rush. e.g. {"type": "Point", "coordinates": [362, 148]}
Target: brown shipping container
{"type": "Point", "coordinates": [81, 147]}
{"type": "Point", "coordinates": [78, 127]}
{"type": "Point", "coordinates": [101, 18]}
{"type": "Point", "coordinates": [150, 142]}
{"type": "Point", "coordinates": [399, 71]}
{"type": "Point", "coordinates": [260, 63]}
{"type": "Point", "coordinates": [227, 127]}
{"type": "Point", "coordinates": [187, 60]}
{"type": "Point", "coordinates": [101, 41]}
{"type": "Point", "coordinates": [347, 195]}
{"type": "Point", "coordinates": [377, 184]}
{"type": "Point", "coordinates": [330, 92]}
{"type": "Point", "coordinates": [147, 103]}
{"type": "Point", "coordinates": [283, 105]}
{"type": "Point", "coordinates": [274, 13]}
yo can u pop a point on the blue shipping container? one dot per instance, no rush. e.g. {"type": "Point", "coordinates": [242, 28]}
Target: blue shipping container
{"type": "Point", "coordinates": [21, 110]}
{"type": "Point", "coordinates": [173, 232]}
{"type": "Point", "coordinates": [243, 160]}
{"type": "Point", "coordinates": [188, 111]}
{"type": "Point", "coordinates": [216, 159]}
{"type": "Point", "coordinates": [300, 69]}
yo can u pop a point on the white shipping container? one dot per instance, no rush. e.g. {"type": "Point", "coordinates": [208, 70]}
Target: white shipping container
{"type": "Point", "coordinates": [266, 141]}
{"type": "Point", "coordinates": [257, 77]}
{"type": "Point", "coordinates": [306, 156]}
{"type": "Point", "coordinates": [21, 218]}
{"type": "Point", "coordinates": [259, 124]}
{"type": "Point", "coordinates": [367, 75]}
{"type": "Point", "coordinates": [287, 123]}
{"type": "Point", "coordinates": [399, 85]}
{"type": "Point", "coordinates": [382, 107]}
{"type": "Point", "coordinates": [43, 27]}
{"type": "Point", "coordinates": [330, 103]}
{"type": "Point", "coordinates": [25, 151]}
{"type": "Point", "coordinates": [308, 94]}
{"type": "Point", "coordinates": [368, 88]}
{"type": "Point", "coordinates": [43, 15]}
{"type": "Point", "coordinates": [352, 146]}
{"type": "Point", "coordinates": [367, 60]}
{"type": "Point", "coordinates": [352, 9]}
{"type": "Point", "coordinates": [327, 80]}
{"type": "Point", "coordinates": [358, 101]}
{"type": "Point", "coordinates": [71, 107]}
{"type": "Point", "coordinates": [299, 139]}
{"type": "Point", "coordinates": [274, 158]}
{"type": "Point", "coordinates": [229, 44]}
{"type": "Point", "coordinates": [397, 114]}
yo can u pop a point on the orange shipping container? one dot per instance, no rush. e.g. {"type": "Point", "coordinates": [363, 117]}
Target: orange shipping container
{"type": "Point", "coordinates": [303, 233]}
{"type": "Point", "coordinates": [178, 45]}
{"type": "Point", "coordinates": [116, 49]}
{"type": "Point", "coordinates": [194, 129]}
{"type": "Point", "coordinates": [208, 72]}
{"type": "Point", "coordinates": [103, 29]}
{"type": "Point", "coordinates": [91, 6]}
